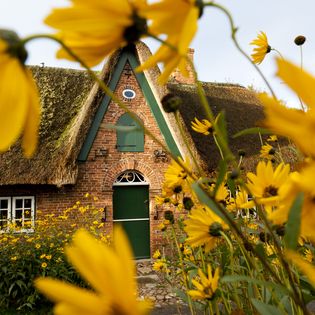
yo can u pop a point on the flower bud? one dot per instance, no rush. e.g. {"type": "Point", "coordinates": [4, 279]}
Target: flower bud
{"type": "Point", "coordinates": [171, 103]}
{"type": "Point", "coordinates": [234, 173]}
{"type": "Point", "coordinates": [188, 203]}
{"type": "Point", "coordinates": [168, 215]}
{"type": "Point", "coordinates": [241, 152]}
{"type": "Point", "coordinates": [299, 40]}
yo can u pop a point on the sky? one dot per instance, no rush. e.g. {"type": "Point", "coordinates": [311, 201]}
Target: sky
{"type": "Point", "coordinates": [216, 58]}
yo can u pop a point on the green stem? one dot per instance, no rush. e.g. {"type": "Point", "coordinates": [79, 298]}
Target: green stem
{"type": "Point", "coordinates": [188, 147]}
{"type": "Point", "coordinates": [218, 146]}
{"type": "Point", "coordinates": [210, 116]}
{"type": "Point", "coordinates": [183, 270]}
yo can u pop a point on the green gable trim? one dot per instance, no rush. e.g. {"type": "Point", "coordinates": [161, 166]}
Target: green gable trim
{"type": "Point", "coordinates": [127, 56]}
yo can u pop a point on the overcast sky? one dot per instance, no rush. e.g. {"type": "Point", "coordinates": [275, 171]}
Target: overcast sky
{"type": "Point", "coordinates": [216, 58]}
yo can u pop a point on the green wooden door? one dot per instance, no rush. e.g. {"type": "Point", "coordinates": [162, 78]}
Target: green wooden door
{"type": "Point", "coordinates": [131, 210]}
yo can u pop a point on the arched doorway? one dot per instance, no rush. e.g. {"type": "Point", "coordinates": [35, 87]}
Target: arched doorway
{"type": "Point", "coordinates": [131, 210]}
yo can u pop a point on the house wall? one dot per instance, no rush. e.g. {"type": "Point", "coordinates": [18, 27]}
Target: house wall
{"type": "Point", "coordinates": [97, 175]}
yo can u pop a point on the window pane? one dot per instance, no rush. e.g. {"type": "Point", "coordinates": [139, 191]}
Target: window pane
{"type": "Point", "coordinates": [3, 215]}
{"type": "Point", "coordinates": [18, 203]}
{"type": "Point", "coordinates": [18, 214]}
{"type": "Point", "coordinates": [27, 203]}
{"type": "Point", "coordinates": [4, 204]}
{"type": "Point", "coordinates": [27, 214]}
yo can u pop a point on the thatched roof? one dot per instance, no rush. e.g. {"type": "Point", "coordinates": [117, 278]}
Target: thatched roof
{"type": "Point", "coordinates": [69, 102]}
{"type": "Point", "coordinates": [242, 110]}
{"type": "Point", "coordinates": [62, 92]}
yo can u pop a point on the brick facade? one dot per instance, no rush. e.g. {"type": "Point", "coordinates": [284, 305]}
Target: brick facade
{"type": "Point", "coordinates": [97, 175]}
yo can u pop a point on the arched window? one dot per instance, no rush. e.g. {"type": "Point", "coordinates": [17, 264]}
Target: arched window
{"type": "Point", "coordinates": [130, 137]}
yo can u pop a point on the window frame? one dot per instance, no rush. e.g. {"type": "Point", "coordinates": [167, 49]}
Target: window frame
{"type": "Point", "coordinates": [12, 209]}
{"type": "Point", "coordinates": [8, 220]}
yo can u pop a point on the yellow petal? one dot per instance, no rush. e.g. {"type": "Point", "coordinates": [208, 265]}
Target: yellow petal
{"type": "Point", "coordinates": [30, 136]}
{"type": "Point", "coordinates": [75, 297]}
{"type": "Point", "coordinates": [304, 266]}
{"type": "Point", "coordinates": [301, 82]}
{"type": "Point", "coordinates": [13, 101]}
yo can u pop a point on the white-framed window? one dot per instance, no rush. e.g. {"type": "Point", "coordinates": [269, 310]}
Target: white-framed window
{"type": "Point", "coordinates": [18, 212]}
{"type": "Point", "coordinates": [129, 94]}
{"type": "Point", "coordinates": [5, 212]}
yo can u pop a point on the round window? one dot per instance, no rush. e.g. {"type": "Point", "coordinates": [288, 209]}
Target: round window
{"type": "Point", "coordinates": [129, 94]}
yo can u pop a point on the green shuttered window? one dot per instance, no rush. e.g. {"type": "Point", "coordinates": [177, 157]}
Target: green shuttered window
{"type": "Point", "coordinates": [130, 135]}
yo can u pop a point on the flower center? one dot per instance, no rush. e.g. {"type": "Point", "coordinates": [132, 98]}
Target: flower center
{"type": "Point", "coordinates": [215, 229]}
{"type": "Point", "coordinates": [133, 32]}
{"type": "Point", "coordinates": [270, 191]}
{"type": "Point", "coordinates": [15, 46]}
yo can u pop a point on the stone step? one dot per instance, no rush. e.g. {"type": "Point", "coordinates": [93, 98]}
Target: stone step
{"type": "Point", "coordinates": [148, 278]}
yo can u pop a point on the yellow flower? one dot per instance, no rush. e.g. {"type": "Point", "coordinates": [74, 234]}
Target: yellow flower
{"type": "Point", "coordinates": [175, 175]}
{"type": "Point", "coordinates": [308, 255]}
{"type": "Point", "coordinates": [157, 254]}
{"type": "Point", "coordinates": [110, 271]}
{"type": "Point", "coordinates": [205, 127]}
{"type": "Point", "coordinates": [262, 48]}
{"type": "Point", "coordinates": [48, 257]}
{"type": "Point", "coordinates": [266, 183]}
{"type": "Point", "coordinates": [272, 138]}
{"type": "Point", "coordinates": [267, 151]}
{"type": "Point", "coordinates": [304, 266]}
{"type": "Point", "coordinates": [293, 123]}
{"type": "Point", "coordinates": [19, 99]}
{"type": "Point", "coordinates": [162, 227]}
{"type": "Point", "coordinates": [203, 228]}
{"type": "Point", "coordinates": [93, 29]}
{"type": "Point", "coordinates": [42, 256]}
{"type": "Point", "coordinates": [44, 265]}
{"type": "Point", "coordinates": [299, 182]}
{"type": "Point", "coordinates": [37, 246]}
{"type": "Point", "coordinates": [178, 20]}
{"type": "Point", "coordinates": [206, 286]}
{"type": "Point", "coordinates": [240, 199]}
{"type": "Point", "coordinates": [13, 258]}
{"type": "Point", "coordinates": [159, 265]}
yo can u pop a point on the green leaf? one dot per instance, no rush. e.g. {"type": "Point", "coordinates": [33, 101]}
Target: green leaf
{"type": "Point", "coordinates": [252, 131]}
{"type": "Point", "coordinates": [293, 226]}
{"type": "Point", "coordinates": [205, 199]}
{"type": "Point", "coordinates": [221, 176]}
{"type": "Point", "coordinates": [221, 123]}
{"type": "Point", "coordinates": [232, 187]}
{"type": "Point", "coordinates": [259, 248]}
{"type": "Point", "coordinates": [265, 309]}
{"type": "Point", "coordinates": [238, 278]}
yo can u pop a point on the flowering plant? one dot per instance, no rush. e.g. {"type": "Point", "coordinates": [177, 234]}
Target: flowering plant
{"type": "Point", "coordinates": [227, 262]}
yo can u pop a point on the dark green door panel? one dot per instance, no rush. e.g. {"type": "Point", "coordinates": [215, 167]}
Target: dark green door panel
{"type": "Point", "coordinates": [131, 210]}
{"type": "Point", "coordinates": [131, 202]}
{"type": "Point", "coordinates": [138, 233]}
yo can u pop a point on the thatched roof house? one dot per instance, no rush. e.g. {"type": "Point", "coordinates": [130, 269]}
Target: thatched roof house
{"type": "Point", "coordinates": [69, 102]}
{"type": "Point", "coordinates": [77, 152]}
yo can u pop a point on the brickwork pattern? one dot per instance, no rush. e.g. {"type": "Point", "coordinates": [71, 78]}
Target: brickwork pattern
{"type": "Point", "coordinates": [97, 174]}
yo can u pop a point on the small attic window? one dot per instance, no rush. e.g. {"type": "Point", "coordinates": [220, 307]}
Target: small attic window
{"type": "Point", "coordinates": [129, 94]}
{"type": "Point", "coordinates": [130, 135]}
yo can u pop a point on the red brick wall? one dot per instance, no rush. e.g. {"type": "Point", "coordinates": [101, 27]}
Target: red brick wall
{"type": "Point", "coordinates": [97, 174]}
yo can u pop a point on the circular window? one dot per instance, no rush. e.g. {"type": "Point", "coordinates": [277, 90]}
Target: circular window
{"type": "Point", "coordinates": [129, 94]}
